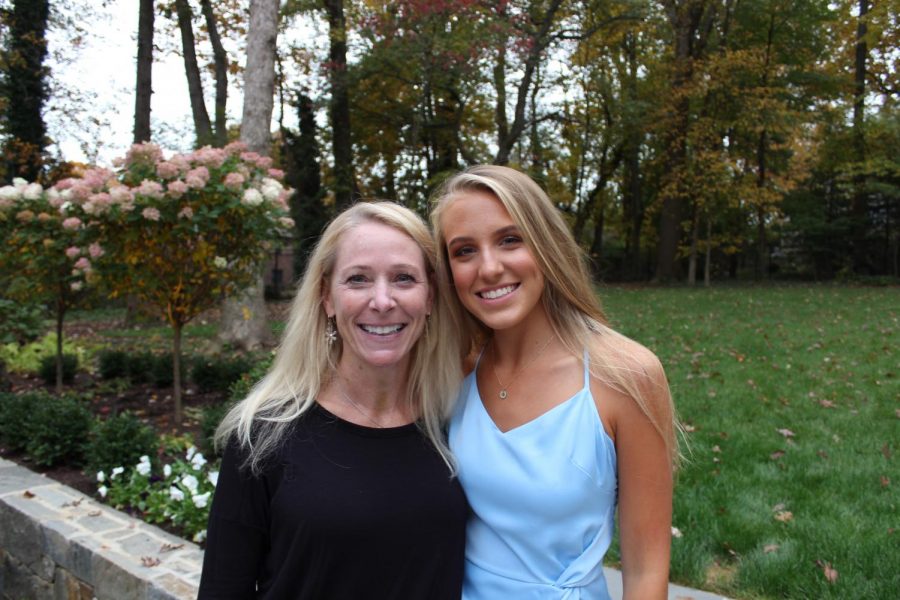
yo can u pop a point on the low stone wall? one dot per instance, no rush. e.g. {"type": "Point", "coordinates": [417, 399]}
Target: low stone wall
{"type": "Point", "coordinates": [57, 543]}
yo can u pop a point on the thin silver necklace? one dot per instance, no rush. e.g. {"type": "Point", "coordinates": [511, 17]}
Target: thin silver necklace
{"type": "Point", "coordinates": [504, 389]}
{"type": "Point", "coordinates": [358, 408]}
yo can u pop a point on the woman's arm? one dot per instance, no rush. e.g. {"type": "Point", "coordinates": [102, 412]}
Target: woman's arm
{"type": "Point", "coordinates": [236, 534]}
{"type": "Point", "coordinates": [645, 482]}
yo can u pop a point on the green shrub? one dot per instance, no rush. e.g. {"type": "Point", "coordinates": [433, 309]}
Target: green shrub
{"type": "Point", "coordinates": [119, 440]}
{"type": "Point", "coordinates": [113, 364]}
{"type": "Point", "coordinates": [217, 374]}
{"type": "Point", "coordinates": [58, 430]}
{"type": "Point", "coordinates": [162, 370]}
{"type": "Point", "coordinates": [15, 413]}
{"type": "Point", "coordinates": [20, 323]}
{"type": "Point", "coordinates": [210, 417]}
{"type": "Point", "coordinates": [48, 368]}
{"type": "Point", "coordinates": [27, 358]}
{"type": "Point", "coordinates": [140, 367]}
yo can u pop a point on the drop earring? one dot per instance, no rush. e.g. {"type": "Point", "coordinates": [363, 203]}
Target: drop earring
{"type": "Point", "coordinates": [331, 332]}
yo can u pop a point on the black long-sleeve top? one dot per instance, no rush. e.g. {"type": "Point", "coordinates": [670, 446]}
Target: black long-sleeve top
{"type": "Point", "coordinates": [340, 511]}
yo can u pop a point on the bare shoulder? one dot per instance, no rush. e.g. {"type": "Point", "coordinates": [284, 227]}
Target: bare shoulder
{"type": "Point", "coordinates": [620, 353]}
{"type": "Point", "coordinates": [630, 383]}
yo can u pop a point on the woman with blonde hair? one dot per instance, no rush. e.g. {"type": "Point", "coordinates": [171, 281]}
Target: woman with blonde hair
{"type": "Point", "coordinates": [336, 481]}
{"type": "Point", "coordinates": [562, 420]}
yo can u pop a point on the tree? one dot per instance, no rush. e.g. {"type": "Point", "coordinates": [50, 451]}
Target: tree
{"type": "Point", "coordinates": [339, 111]}
{"type": "Point", "coordinates": [48, 248]}
{"type": "Point", "coordinates": [302, 172]}
{"type": "Point", "coordinates": [24, 89]}
{"type": "Point", "coordinates": [182, 232]}
{"type": "Point", "coordinates": [243, 319]}
{"type": "Point", "coordinates": [144, 87]}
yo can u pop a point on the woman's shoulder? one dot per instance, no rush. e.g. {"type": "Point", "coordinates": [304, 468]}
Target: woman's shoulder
{"type": "Point", "coordinates": [623, 354]}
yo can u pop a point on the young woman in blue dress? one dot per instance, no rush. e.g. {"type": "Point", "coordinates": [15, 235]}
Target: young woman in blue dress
{"type": "Point", "coordinates": [561, 420]}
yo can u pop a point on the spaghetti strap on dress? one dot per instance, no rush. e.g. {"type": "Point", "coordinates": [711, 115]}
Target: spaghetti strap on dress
{"type": "Point", "coordinates": [543, 499]}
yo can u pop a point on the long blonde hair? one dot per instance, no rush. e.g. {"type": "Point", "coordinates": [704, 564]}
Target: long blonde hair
{"type": "Point", "coordinates": [304, 361]}
{"type": "Point", "coordinates": [568, 297]}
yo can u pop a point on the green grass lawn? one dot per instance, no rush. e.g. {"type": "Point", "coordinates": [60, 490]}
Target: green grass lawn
{"type": "Point", "coordinates": [791, 396]}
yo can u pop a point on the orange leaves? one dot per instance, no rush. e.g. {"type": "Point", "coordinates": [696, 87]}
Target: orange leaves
{"type": "Point", "coordinates": [780, 514]}
{"type": "Point", "coordinates": [830, 573]}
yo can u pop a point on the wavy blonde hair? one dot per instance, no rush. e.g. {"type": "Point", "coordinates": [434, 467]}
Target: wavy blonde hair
{"type": "Point", "coordinates": [305, 362]}
{"type": "Point", "coordinates": [569, 298]}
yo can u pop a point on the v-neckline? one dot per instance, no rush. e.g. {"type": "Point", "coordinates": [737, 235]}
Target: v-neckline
{"type": "Point", "coordinates": [526, 423]}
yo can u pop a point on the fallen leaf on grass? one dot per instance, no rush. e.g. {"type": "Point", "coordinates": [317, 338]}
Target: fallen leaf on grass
{"type": "Point", "coordinates": [784, 516]}
{"type": "Point", "coordinates": [676, 532]}
{"type": "Point", "coordinates": [822, 454]}
{"type": "Point", "coordinates": [149, 561]}
{"type": "Point", "coordinates": [886, 451]}
{"type": "Point", "coordinates": [716, 448]}
{"type": "Point", "coordinates": [830, 573]}
{"type": "Point", "coordinates": [897, 412]}
{"type": "Point", "coordinates": [885, 481]}
{"type": "Point", "coordinates": [688, 428]}
{"type": "Point", "coordinates": [827, 403]}
{"type": "Point", "coordinates": [786, 433]}
{"type": "Point", "coordinates": [769, 548]}
{"type": "Point", "coordinates": [776, 455]}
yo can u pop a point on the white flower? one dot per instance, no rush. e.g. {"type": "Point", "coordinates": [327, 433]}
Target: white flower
{"type": "Point", "coordinates": [102, 490]}
{"type": "Point", "coordinates": [220, 262]}
{"type": "Point", "coordinates": [143, 468]}
{"type": "Point", "coordinates": [101, 476]}
{"type": "Point", "coordinates": [190, 453]}
{"type": "Point", "coordinates": [167, 471]}
{"type": "Point", "coordinates": [213, 478]}
{"type": "Point", "coordinates": [271, 189]}
{"type": "Point", "coordinates": [198, 461]}
{"type": "Point", "coordinates": [8, 192]}
{"type": "Point", "coordinates": [201, 500]}
{"type": "Point", "coordinates": [252, 197]}
{"type": "Point", "coordinates": [117, 471]}
{"type": "Point", "coordinates": [200, 536]}
{"type": "Point", "coordinates": [176, 494]}
{"type": "Point", "coordinates": [190, 482]}
{"type": "Point", "coordinates": [32, 191]}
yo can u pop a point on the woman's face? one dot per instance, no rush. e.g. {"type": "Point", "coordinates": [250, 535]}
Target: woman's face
{"type": "Point", "coordinates": [496, 276]}
{"type": "Point", "coordinates": [379, 295]}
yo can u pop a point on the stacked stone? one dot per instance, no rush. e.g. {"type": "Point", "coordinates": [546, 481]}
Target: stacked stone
{"type": "Point", "coordinates": [55, 542]}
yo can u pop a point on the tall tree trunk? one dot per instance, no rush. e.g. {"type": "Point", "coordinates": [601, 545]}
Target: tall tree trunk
{"type": "Point", "coordinates": [499, 72]}
{"type": "Point", "coordinates": [202, 125]}
{"type": "Point", "coordinates": [632, 193]}
{"type": "Point", "coordinates": [691, 22]}
{"type": "Point", "coordinates": [707, 265]}
{"type": "Point", "coordinates": [596, 252]}
{"type": "Point", "coordinates": [60, 316]}
{"type": "Point", "coordinates": [859, 203]}
{"type": "Point", "coordinates": [539, 42]}
{"type": "Point", "coordinates": [342, 141]}
{"type": "Point", "coordinates": [762, 246]}
{"type": "Point", "coordinates": [220, 60]}
{"type": "Point", "coordinates": [692, 256]}
{"type": "Point", "coordinates": [24, 89]}
{"type": "Point", "coordinates": [144, 88]}
{"type": "Point", "coordinates": [176, 371]}
{"type": "Point", "coordinates": [244, 320]}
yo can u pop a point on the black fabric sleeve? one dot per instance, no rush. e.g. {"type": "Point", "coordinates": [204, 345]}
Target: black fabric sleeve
{"type": "Point", "coordinates": [237, 533]}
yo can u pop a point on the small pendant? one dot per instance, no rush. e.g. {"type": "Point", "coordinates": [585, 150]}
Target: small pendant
{"type": "Point", "coordinates": [503, 394]}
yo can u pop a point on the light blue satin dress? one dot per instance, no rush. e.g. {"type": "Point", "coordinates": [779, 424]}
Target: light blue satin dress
{"type": "Point", "coordinates": [543, 497]}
